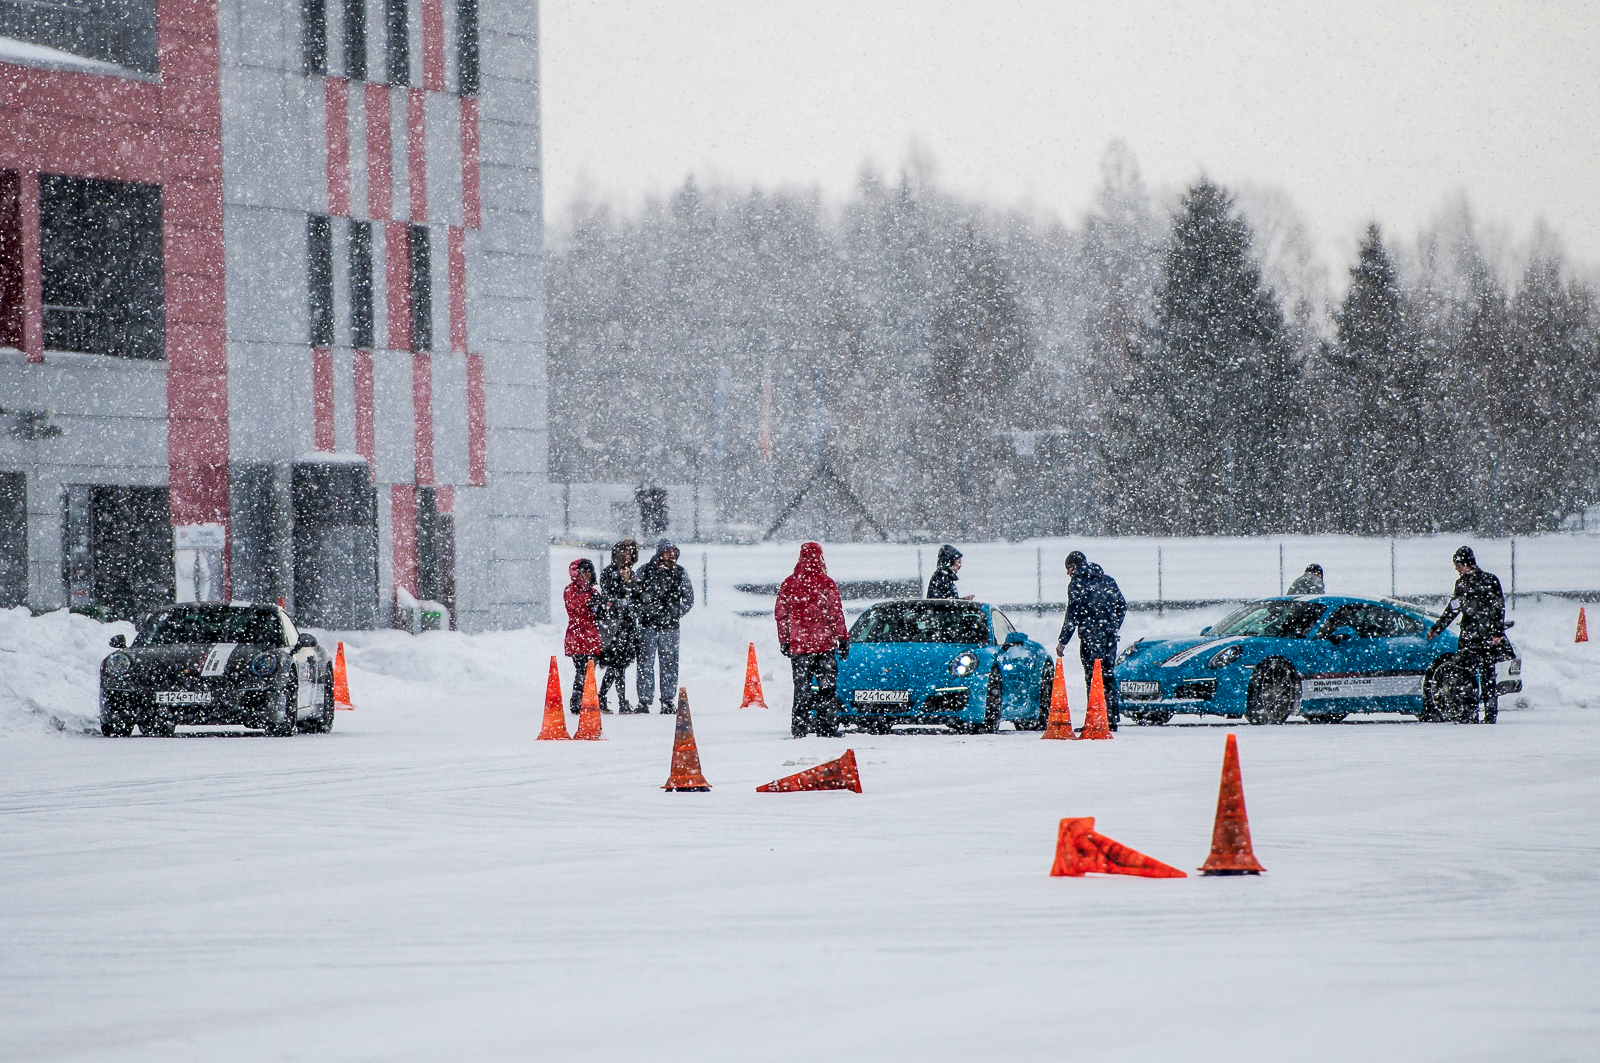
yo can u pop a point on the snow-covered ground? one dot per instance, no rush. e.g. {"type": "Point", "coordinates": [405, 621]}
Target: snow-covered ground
{"type": "Point", "coordinates": [430, 883]}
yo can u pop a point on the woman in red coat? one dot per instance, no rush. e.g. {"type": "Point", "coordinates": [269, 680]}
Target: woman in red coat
{"type": "Point", "coordinates": [583, 637]}
{"type": "Point", "coordinates": [810, 625]}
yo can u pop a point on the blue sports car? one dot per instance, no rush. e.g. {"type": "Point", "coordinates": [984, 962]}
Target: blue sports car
{"type": "Point", "coordinates": [1323, 656]}
{"type": "Point", "coordinates": [941, 661]}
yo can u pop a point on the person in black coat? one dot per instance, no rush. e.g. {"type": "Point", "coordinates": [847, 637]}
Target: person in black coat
{"type": "Point", "coordinates": [665, 596]}
{"type": "Point", "coordinates": [943, 582]}
{"type": "Point", "coordinates": [1095, 610]}
{"type": "Point", "coordinates": [1308, 582]}
{"type": "Point", "coordinates": [1482, 608]}
{"type": "Point", "coordinates": [617, 616]}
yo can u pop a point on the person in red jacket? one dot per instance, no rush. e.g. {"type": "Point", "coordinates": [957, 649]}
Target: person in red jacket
{"type": "Point", "coordinates": [810, 626]}
{"type": "Point", "coordinates": [583, 637]}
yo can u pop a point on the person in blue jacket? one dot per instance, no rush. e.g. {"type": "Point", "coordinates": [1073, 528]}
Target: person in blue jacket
{"type": "Point", "coordinates": [1095, 609]}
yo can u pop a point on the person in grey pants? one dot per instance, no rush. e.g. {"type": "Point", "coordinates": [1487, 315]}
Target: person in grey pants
{"type": "Point", "coordinates": [665, 595]}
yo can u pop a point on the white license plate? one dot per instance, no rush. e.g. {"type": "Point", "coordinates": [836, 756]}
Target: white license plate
{"type": "Point", "coordinates": [1139, 686]}
{"type": "Point", "coordinates": [883, 697]}
{"type": "Point", "coordinates": [183, 697]}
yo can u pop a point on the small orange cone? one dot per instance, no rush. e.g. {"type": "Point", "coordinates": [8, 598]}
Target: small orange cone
{"type": "Point", "coordinates": [752, 682]}
{"type": "Point", "coordinates": [1060, 723]}
{"type": "Point", "coordinates": [1230, 837]}
{"type": "Point", "coordinates": [1583, 627]}
{"type": "Point", "coordinates": [555, 716]}
{"type": "Point", "coordinates": [1095, 724]}
{"type": "Point", "coordinates": [589, 709]}
{"type": "Point", "coordinates": [341, 682]}
{"type": "Point", "coordinates": [839, 774]}
{"type": "Point", "coordinates": [685, 773]}
{"type": "Point", "coordinates": [1080, 850]}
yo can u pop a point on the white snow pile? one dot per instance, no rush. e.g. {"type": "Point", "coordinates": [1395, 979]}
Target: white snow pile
{"type": "Point", "coordinates": [50, 670]}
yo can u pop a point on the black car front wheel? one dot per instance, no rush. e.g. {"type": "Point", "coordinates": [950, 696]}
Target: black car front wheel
{"type": "Point", "coordinates": [116, 724]}
{"type": "Point", "coordinates": [322, 722]}
{"type": "Point", "coordinates": [280, 716]}
{"type": "Point", "coordinates": [1274, 693]}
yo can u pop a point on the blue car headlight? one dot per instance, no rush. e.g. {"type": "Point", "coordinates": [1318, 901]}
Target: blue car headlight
{"type": "Point", "coordinates": [964, 664]}
{"type": "Point", "coordinates": [1128, 651]}
{"type": "Point", "coordinates": [1225, 656]}
{"type": "Point", "coordinates": [119, 664]}
{"type": "Point", "coordinates": [264, 665]}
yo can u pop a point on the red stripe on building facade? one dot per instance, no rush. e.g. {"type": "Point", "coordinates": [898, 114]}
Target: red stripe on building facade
{"type": "Point", "coordinates": [380, 160]}
{"type": "Point", "coordinates": [456, 238]}
{"type": "Point", "coordinates": [337, 116]}
{"type": "Point", "coordinates": [363, 387]}
{"type": "Point", "coordinates": [422, 405]}
{"type": "Point", "coordinates": [471, 170]}
{"type": "Point", "coordinates": [433, 45]}
{"type": "Point", "coordinates": [32, 282]}
{"type": "Point", "coordinates": [444, 498]}
{"type": "Point", "coordinates": [322, 398]}
{"type": "Point", "coordinates": [403, 534]}
{"type": "Point", "coordinates": [417, 154]}
{"type": "Point", "coordinates": [477, 424]}
{"type": "Point", "coordinates": [397, 283]}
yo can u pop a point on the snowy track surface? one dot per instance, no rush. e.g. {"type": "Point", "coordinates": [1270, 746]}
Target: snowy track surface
{"type": "Point", "coordinates": [429, 883]}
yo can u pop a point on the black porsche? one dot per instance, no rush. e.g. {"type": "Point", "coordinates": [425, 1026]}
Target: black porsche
{"type": "Point", "coordinates": [216, 663]}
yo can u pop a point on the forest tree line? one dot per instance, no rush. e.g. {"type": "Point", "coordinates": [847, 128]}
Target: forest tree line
{"type": "Point", "coordinates": [1155, 369]}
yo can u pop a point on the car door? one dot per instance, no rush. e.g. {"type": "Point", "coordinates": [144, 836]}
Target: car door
{"type": "Point", "coordinates": [303, 659]}
{"type": "Point", "coordinates": [1380, 665]}
{"type": "Point", "coordinates": [1019, 671]}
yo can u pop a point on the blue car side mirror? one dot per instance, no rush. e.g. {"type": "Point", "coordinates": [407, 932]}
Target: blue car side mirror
{"type": "Point", "coordinates": [1340, 635]}
{"type": "Point", "coordinates": [1206, 630]}
{"type": "Point", "coordinates": [1016, 638]}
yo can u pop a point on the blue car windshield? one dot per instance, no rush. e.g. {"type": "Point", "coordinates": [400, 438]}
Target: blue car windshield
{"type": "Point", "coordinates": [1271, 619]}
{"type": "Point", "coordinates": [964, 625]}
{"type": "Point", "coordinates": [178, 627]}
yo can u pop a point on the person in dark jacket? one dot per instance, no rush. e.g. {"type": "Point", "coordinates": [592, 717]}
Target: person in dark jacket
{"type": "Point", "coordinates": [811, 627]}
{"type": "Point", "coordinates": [1308, 582]}
{"type": "Point", "coordinates": [617, 616]}
{"type": "Point", "coordinates": [665, 596]}
{"type": "Point", "coordinates": [1482, 608]}
{"type": "Point", "coordinates": [583, 638]}
{"type": "Point", "coordinates": [1095, 610]}
{"type": "Point", "coordinates": [942, 584]}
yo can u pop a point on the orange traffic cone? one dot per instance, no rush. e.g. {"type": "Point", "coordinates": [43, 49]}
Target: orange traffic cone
{"type": "Point", "coordinates": [839, 774]}
{"type": "Point", "coordinates": [341, 682]}
{"type": "Point", "coordinates": [1060, 723]}
{"type": "Point", "coordinates": [1080, 850]}
{"type": "Point", "coordinates": [1230, 837]}
{"type": "Point", "coordinates": [555, 715]}
{"type": "Point", "coordinates": [752, 682]}
{"type": "Point", "coordinates": [1095, 724]}
{"type": "Point", "coordinates": [1583, 627]}
{"type": "Point", "coordinates": [685, 773]}
{"type": "Point", "coordinates": [589, 709]}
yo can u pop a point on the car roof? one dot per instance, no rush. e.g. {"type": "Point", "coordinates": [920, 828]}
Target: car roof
{"type": "Point", "coordinates": [1346, 599]}
{"type": "Point", "coordinates": [930, 603]}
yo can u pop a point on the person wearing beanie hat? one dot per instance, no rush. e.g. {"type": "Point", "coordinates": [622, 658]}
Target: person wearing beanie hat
{"type": "Point", "coordinates": [1308, 582]}
{"type": "Point", "coordinates": [1481, 605]}
{"type": "Point", "coordinates": [1095, 610]}
{"type": "Point", "coordinates": [942, 584]}
{"type": "Point", "coordinates": [665, 595]}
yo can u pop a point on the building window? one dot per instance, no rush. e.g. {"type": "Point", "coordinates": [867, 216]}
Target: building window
{"type": "Point", "coordinates": [467, 45]}
{"type": "Point", "coordinates": [319, 253]}
{"type": "Point", "coordinates": [355, 39]}
{"type": "Point", "coordinates": [100, 266]}
{"type": "Point", "coordinates": [10, 259]}
{"type": "Point", "coordinates": [112, 31]}
{"type": "Point", "coordinates": [314, 36]}
{"type": "Point", "coordinates": [398, 17]}
{"type": "Point", "coordinates": [361, 286]}
{"type": "Point", "coordinates": [421, 290]}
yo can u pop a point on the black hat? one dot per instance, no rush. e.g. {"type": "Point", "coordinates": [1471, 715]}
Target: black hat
{"type": "Point", "coordinates": [948, 553]}
{"type": "Point", "coordinates": [1464, 556]}
{"type": "Point", "coordinates": [1314, 568]}
{"type": "Point", "coordinates": [1076, 558]}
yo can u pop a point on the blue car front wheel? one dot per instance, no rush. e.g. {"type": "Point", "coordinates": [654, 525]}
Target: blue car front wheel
{"type": "Point", "coordinates": [992, 699]}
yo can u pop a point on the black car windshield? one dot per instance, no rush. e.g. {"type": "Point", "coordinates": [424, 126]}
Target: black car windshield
{"type": "Point", "coordinates": [1270, 619]}
{"type": "Point", "coordinates": [964, 625]}
{"type": "Point", "coordinates": [177, 627]}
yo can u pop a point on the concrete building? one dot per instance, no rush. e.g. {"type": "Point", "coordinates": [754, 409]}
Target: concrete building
{"type": "Point", "coordinates": [272, 306]}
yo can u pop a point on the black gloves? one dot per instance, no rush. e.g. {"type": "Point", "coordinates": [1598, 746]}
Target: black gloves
{"type": "Point", "coordinates": [844, 649]}
{"type": "Point", "coordinates": [783, 648]}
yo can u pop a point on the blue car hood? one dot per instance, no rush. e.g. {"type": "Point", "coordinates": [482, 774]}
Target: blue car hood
{"type": "Point", "coordinates": [1156, 652]}
{"type": "Point", "coordinates": [899, 664]}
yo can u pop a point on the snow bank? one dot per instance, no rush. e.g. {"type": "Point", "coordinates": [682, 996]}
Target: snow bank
{"type": "Point", "coordinates": [50, 671]}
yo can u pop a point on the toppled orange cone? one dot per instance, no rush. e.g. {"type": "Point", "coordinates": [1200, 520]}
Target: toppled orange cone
{"type": "Point", "coordinates": [1095, 723]}
{"type": "Point", "coordinates": [1583, 627]}
{"type": "Point", "coordinates": [839, 774]}
{"type": "Point", "coordinates": [1059, 725]}
{"type": "Point", "coordinates": [341, 682]}
{"type": "Point", "coordinates": [1080, 850]}
{"type": "Point", "coordinates": [555, 717]}
{"type": "Point", "coordinates": [752, 683]}
{"type": "Point", "coordinates": [1230, 837]}
{"type": "Point", "coordinates": [589, 709]}
{"type": "Point", "coordinates": [685, 774]}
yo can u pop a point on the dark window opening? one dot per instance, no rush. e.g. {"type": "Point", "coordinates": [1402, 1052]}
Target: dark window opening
{"type": "Point", "coordinates": [436, 551]}
{"type": "Point", "coordinates": [112, 31]}
{"type": "Point", "coordinates": [467, 45]}
{"type": "Point", "coordinates": [319, 247]}
{"type": "Point", "coordinates": [13, 539]}
{"type": "Point", "coordinates": [355, 40]}
{"type": "Point", "coordinates": [397, 16]}
{"type": "Point", "coordinates": [313, 36]}
{"type": "Point", "coordinates": [100, 264]}
{"type": "Point", "coordinates": [118, 549]}
{"type": "Point", "coordinates": [335, 544]}
{"type": "Point", "coordinates": [361, 286]}
{"type": "Point", "coordinates": [10, 259]}
{"type": "Point", "coordinates": [421, 290]}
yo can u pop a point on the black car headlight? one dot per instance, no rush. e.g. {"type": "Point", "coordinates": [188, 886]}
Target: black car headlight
{"type": "Point", "coordinates": [119, 663]}
{"type": "Point", "coordinates": [1225, 656]}
{"type": "Point", "coordinates": [264, 665]}
{"type": "Point", "coordinates": [964, 664]}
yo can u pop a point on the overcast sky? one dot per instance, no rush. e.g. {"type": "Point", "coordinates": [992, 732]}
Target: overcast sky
{"type": "Point", "coordinates": [1357, 110]}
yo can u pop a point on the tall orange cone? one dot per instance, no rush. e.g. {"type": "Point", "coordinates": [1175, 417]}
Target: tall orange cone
{"type": "Point", "coordinates": [341, 682]}
{"type": "Point", "coordinates": [1583, 627]}
{"type": "Point", "coordinates": [1059, 724]}
{"type": "Point", "coordinates": [685, 773]}
{"type": "Point", "coordinates": [589, 709]}
{"type": "Point", "coordinates": [1230, 837]}
{"type": "Point", "coordinates": [1080, 850]}
{"type": "Point", "coordinates": [839, 774]}
{"type": "Point", "coordinates": [752, 682]}
{"type": "Point", "coordinates": [1095, 724]}
{"type": "Point", "coordinates": [555, 715]}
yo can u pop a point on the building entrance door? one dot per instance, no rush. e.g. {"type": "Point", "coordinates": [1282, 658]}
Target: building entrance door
{"type": "Point", "coordinates": [119, 549]}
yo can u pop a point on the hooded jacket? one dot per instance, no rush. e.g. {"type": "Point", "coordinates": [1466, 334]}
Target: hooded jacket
{"type": "Point", "coordinates": [583, 638]}
{"type": "Point", "coordinates": [809, 614]}
{"type": "Point", "coordinates": [665, 594]}
{"type": "Point", "coordinates": [1095, 607]}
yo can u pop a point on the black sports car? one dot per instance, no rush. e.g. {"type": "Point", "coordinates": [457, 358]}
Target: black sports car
{"type": "Point", "coordinates": [216, 663]}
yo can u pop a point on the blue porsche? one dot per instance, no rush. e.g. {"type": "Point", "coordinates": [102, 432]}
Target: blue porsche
{"type": "Point", "coordinates": [940, 661]}
{"type": "Point", "coordinates": [1322, 656]}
